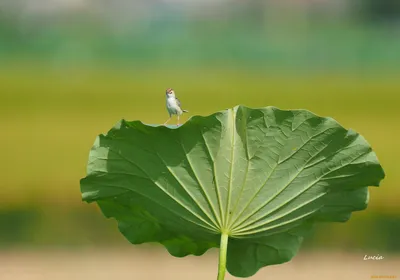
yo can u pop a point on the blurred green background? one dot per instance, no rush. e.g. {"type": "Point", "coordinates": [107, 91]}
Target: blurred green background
{"type": "Point", "coordinates": [69, 70]}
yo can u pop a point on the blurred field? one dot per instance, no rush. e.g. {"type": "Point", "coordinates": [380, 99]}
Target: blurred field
{"type": "Point", "coordinates": [51, 115]}
{"type": "Point", "coordinates": [138, 264]}
{"type": "Point", "coordinates": [70, 70]}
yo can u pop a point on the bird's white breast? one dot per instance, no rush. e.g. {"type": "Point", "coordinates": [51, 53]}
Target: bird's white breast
{"type": "Point", "coordinates": [172, 106]}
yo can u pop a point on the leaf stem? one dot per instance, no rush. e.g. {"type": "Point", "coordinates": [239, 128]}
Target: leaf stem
{"type": "Point", "coordinates": [223, 248]}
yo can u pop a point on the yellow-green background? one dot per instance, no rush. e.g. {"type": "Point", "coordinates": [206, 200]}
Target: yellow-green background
{"type": "Point", "coordinates": [65, 82]}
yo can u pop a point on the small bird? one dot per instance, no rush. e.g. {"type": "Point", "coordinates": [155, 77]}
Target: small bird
{"type": "Point", "coordinates": [173, 105]}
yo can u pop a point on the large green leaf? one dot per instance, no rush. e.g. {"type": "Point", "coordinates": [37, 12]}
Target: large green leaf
{"type": "Point", "coordinates": [261, 176]}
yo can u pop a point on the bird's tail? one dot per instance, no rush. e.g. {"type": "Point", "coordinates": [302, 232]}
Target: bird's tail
{"type": "Point", "coordinates": [185, 111]}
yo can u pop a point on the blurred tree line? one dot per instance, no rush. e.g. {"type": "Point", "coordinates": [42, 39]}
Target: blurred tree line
{"type": "Point", "coordinates": [382, 10]}
{"type": "Point", "coordinates": [249, 35]}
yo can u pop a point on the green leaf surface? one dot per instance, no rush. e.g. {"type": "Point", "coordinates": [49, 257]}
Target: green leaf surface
{"type": "Point", "coordinates": [262, 176]}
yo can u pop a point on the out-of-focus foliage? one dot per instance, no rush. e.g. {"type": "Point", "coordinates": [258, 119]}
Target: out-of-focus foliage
{"type": "Point", "coordinates": [383, 10]}
{"type": "Point", "coordinates": [312, 36]}
{"type": "Point", "coordinates": [70, 69]}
